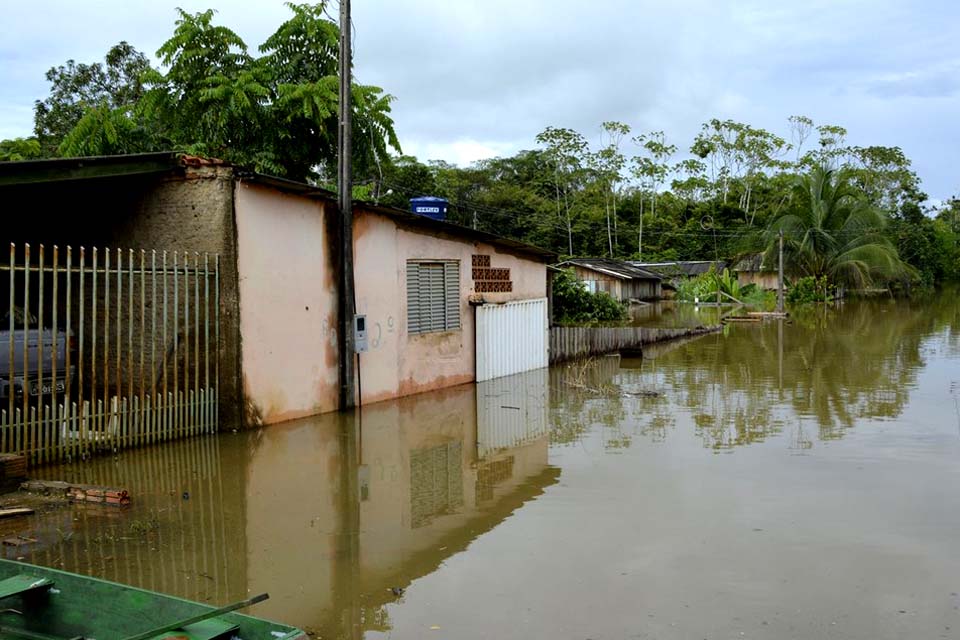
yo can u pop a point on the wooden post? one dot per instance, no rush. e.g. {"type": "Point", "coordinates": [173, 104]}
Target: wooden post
{"type": "Point", "coordinates": [780, 277]}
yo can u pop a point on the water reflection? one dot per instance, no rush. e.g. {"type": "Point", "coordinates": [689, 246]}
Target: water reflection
{"type": "Point", "coordinates": [671, 313]}
{"type": "Point", "coordinates": [453, 496]}
{"type": "Point", "coordinates": [331, 515]}
{"type": "Point", "coordinates": [818, 374]}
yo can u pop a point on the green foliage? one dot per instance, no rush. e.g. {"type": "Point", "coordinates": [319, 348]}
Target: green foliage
{"type": "Point", "coordinates": [116, 85]}
{"type": "Point", "coordinates": [20, 149]}
{"type": "Point", "coordinates": [728, 200]}
{"type": "Point", "coordinates": [757, 297]}
{"type": "Point", "coordinates": [704, 287]}
{"type": "Point", "coordinates": [808, 290]}
{"type": "Point", "coordinates": [573, 304]}
{"type": "Point", "coordinates": [276, 112]}
{"type": "Point", "coordinates": [831, 230]}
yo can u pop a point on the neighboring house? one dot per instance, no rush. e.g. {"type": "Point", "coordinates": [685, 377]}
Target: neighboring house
{"type": "Point", "coordinates": [620, 279]}
{"type": "Point", "coordinates": [753, 270]}
{"type": "Point", "coordinates": [435, 294]}
{"type": "Point", "coordinates": [678, 271]}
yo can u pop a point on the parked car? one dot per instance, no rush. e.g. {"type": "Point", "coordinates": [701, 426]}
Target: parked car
{"type": "Point", "coordinates": [25, 376]}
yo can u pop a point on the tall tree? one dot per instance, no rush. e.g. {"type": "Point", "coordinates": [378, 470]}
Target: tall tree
{"type": "Point", "coordinates": [78, 88]}
{"type": "Point", "coordinates": [566, 149]}
{"type": "Point", "coordinates": [276, 112]}
{"type": "Point", "coordinates": [832, 230]}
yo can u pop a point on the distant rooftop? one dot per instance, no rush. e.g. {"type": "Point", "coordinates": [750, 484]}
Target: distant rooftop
{"type": "Point", "coordinates": [613, 268]}
{"type": "Point", "coordinates": [679, 268]}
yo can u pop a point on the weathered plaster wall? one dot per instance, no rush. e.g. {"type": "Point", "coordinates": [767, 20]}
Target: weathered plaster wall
{"type": "Point", "coordinates": [193, 212]}
{"type": "Point", "coordinates": [398, 363]}
{"type": "Point", "coordinates": [288, 305]}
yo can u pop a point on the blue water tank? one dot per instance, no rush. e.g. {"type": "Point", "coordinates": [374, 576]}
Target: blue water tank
{"type": "Point", "coordinates": [430, 207]}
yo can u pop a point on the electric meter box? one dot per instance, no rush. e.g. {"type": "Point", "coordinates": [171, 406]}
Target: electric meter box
{"type": "Point", "coordinates": [359, 333]}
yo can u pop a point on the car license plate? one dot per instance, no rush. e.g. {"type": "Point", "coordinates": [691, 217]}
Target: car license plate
{"type": "Point", "coordinates": [36, 389]}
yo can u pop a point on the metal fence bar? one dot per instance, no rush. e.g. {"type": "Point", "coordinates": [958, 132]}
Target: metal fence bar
{"type": "Point", "coordinates": [24, 445]}
{"type": "Point", "coordinates": [184, 403]}
{"type": "Point", "coordinates": [195, 409]}
{"type": "Point", "coordinates": [114, 426]}
{"type": "Point", "coordinates": [207, 423]}
{"type": "Point", "coordinates": [78, 380]}
{"type": "Point", "coordinates": [104, 402]}
{"type": "Point", "coordinates": [63, 422]}
{"type": "Point", "coordinates": [176, 350]}
{"type": "Point", "coordinates": [7, 440]}
{"type": "Point", "coordinates": [143, 334]}
{"type": "Point", "coordinates": [216, 340]}
{"type": "Point", "coordinates": [54, 354]}
{"type": "Point", "coordinates": [39, 443]}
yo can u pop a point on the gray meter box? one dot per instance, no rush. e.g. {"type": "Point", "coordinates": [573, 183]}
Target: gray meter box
{"type": "Point", "coordinates": [359, 333]}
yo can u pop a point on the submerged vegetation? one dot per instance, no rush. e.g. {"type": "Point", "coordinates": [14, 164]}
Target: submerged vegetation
{"type": "Point", "coordinates": [705, 287]}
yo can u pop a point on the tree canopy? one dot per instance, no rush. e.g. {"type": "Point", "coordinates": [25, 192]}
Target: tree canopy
{"type": "Point", "coordinates": [620, 192]}
{"type": "Point", "coordinates": [275, 111]}
{"type": "Point", "coordinates": [723, 196]}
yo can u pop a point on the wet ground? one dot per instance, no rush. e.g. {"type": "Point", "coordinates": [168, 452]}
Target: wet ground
{"type": "Point", "coordinates": [776, 480]}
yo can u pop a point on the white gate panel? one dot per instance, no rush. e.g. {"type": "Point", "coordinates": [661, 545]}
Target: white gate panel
{"type": "Point", "coordinates": [511, 338]}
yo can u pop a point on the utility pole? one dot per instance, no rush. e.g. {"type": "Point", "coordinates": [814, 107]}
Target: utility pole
{"type": "Point", "coordinates": [780, 277]}
{"type": "Point", "coordinates": [346, 303]}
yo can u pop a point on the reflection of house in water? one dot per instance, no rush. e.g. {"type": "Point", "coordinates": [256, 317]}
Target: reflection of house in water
{"type": "Point", "coordinates": [436, 482]}
{"type": "Point", "coordinates": [323, 513]}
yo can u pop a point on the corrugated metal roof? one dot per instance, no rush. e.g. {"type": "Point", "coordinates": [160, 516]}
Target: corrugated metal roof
{"type": "Point", "coordinates": [63, 169]}
{"type": "Point", "coordinates": [688, 268]}
{"type": "Point", "coordinates": [614, 268]}
{"type": "Point", "coordinates": [753, 263]}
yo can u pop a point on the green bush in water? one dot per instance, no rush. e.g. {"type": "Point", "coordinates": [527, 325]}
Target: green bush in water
{"type": "Point", "coordinates": [808, 290]}
{"type": "Point", "coordinates": [704, 287]}
{"type": "Point", "coordinates": [573, 304]}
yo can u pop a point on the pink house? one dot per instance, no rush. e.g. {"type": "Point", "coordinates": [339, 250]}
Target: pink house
{"type": "Point", "coordinates": [416, 283]}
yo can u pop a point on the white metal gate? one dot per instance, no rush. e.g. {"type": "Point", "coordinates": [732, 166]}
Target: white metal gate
{"type": "Point", "coordinates": [511, 338]}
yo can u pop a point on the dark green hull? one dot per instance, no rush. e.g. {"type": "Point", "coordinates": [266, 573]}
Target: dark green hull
{"type": "Point", "coordinates": [80, 607]}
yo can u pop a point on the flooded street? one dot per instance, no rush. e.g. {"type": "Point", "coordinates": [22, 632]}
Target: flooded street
{"type": "Point", "coordinates": [775, 480]}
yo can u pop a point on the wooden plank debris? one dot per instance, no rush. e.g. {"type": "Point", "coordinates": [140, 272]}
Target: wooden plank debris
{"type": "Point", "coordinates": [79, 492]}
{"type": "Point", "coordinates": [15, 511]}
{"type": "Point", "coordinates": [12, 467]}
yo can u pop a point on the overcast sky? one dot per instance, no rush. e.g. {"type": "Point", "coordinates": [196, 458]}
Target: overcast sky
{"type": "Point", "coordinates": [475, 79]}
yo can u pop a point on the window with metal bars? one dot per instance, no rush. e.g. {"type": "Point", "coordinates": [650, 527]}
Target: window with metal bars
{"type": "Point", "coordinates": [433, 295]}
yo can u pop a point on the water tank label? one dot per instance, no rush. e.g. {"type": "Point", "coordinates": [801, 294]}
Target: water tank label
{"type": "Point", "coordinates": [428, 209]}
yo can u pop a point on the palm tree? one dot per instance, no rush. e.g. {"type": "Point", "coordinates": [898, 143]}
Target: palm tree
{"type": "Point", "coordinates": [831, 230]}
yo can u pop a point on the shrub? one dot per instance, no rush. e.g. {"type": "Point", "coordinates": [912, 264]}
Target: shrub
{"type": "Point", "coordinates": [573, 304]}
{"type": "Point", "coordinates": [808, 290]}
{"type": "Point", "coordinates": [704, 287]}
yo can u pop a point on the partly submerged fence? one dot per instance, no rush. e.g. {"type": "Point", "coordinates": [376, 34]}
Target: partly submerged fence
{"type": "Point", "coordinates": [106, 349]}
{"type": "Point", "coordinates": [569, 343]}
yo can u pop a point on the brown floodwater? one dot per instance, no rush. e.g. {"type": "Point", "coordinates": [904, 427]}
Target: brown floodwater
{"type": "Point", "coordinates": [794, 479]}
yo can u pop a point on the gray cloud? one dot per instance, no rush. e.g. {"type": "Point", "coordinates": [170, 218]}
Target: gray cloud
{"type": "Point", "coordinates": [478, 78]}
